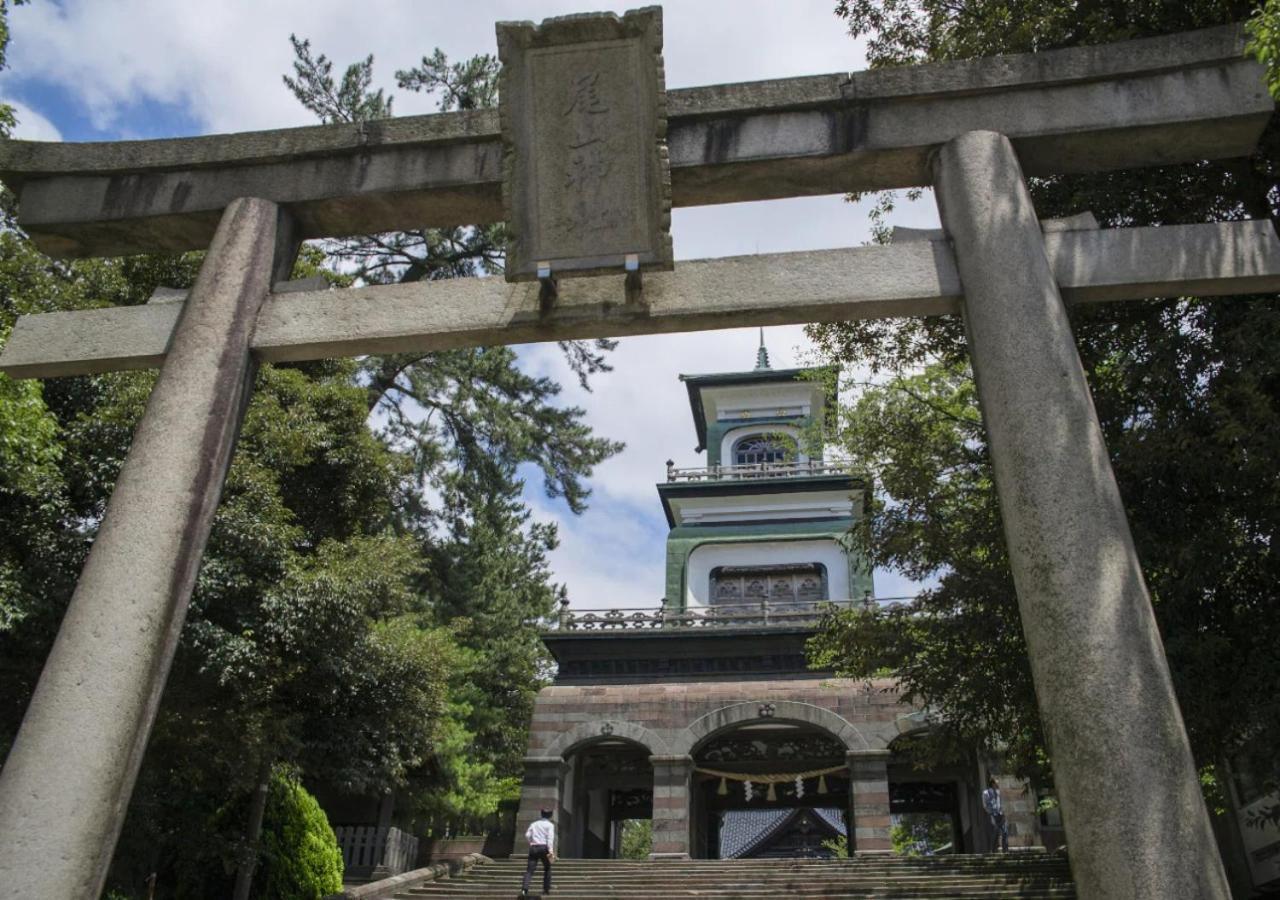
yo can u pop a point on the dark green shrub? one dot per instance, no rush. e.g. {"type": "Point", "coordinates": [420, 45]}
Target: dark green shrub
{"type": "Point", "coordinates": [300, 857]}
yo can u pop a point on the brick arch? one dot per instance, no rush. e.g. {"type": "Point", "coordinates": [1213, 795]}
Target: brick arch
{"type": "Point", "coordinates": [588, 732]}
{"type": "Point", "coordinates": [791, 711]}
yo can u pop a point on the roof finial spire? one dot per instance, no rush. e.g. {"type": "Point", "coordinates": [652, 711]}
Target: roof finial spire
{"type": "Point", "coordinates": [762, 355]}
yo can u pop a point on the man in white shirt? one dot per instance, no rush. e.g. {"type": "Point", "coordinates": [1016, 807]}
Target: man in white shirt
{"type": "Point", "coordinates": [542, 846]}
{"type": "Point", "coordinates": [995, 809]}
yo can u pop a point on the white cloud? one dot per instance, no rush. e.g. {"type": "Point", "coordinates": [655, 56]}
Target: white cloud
{"type": "Point", "coordinates": [31, 125]}
{"type": "Point", "coordinates": [224, 60]}
{"type": "Point", "coordinates": [221, 64]}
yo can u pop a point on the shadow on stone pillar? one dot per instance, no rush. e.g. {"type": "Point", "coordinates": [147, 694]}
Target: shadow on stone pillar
{"type": "Point", "coordinates": [671, 782]}
{"type": "Point", "coordinates": [869, 801]}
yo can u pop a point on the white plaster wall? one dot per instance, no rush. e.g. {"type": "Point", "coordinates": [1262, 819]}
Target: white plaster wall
{"type": "Point", "coordinates": [748, 507]}
{"type": "Point", "coordinates": [734, 435]}
{"type": "Point", "coordinates": [795, 398]}
{"type": "Point", "coordinates": [766, 553]}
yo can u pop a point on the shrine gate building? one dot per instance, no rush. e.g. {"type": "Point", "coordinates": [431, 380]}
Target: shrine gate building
{"type": "Point", "coordinates": [702, 714]}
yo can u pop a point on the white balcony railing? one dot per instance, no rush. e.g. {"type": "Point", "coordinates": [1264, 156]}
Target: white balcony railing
{"type": "Point", "coordinates": [749, 471]}
{"type": "Point", "coordinates": [758, 470]}
{"type": "Point", "coordinates": [746, 614]}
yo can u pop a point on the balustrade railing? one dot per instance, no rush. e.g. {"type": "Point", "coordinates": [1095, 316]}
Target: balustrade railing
{"type": "Point", "coordinates": [368, 849]}
{"type": "Point", "coordinates": [747, 471]}
{"type": "Point", "coordinates": [747, 614]}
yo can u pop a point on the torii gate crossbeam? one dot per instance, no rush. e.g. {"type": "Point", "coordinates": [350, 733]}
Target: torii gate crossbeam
{"type": "Point", "coordinates": [1136, 825]}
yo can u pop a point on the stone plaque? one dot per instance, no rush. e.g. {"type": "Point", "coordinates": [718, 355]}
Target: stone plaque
{"type": "Point", "coordinates": [586, 180]}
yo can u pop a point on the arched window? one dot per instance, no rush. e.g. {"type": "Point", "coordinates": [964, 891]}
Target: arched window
{"type": "Point", "coordinates": [762, 448]}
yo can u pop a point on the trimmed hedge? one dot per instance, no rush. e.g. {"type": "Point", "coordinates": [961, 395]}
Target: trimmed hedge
{"type": "Point", "coordinates": [300, 857]}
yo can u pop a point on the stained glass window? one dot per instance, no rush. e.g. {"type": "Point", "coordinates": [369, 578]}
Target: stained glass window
{"type": "Point", "coordinates": [761, 448]}
{"type": "Point", "coordinates": [803, 582]}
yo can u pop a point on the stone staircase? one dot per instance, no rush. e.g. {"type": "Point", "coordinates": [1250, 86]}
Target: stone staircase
{"type": "Point", "coordinates": [1025, 876]}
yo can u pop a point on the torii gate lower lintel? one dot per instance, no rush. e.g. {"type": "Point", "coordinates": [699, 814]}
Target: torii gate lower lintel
{"type": "Point", "coordinates": [1135, 821]}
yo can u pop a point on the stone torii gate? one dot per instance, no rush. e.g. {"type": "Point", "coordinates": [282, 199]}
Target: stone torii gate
{"type": "Point", "coordinates": [1135, 820]}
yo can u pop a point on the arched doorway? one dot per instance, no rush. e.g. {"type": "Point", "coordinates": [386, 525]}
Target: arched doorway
{"type": "Point", "coordinates": [607, 796]}
{"type": "Point", "coordinates": [796, 806]}
{"type": "Point", "coordinates": [932, 809]}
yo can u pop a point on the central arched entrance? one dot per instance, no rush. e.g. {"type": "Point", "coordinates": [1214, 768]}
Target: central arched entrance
{"type": "Point", "coordinates": [935, 807]}
{"type": "Point", "coordinates": [608, 792]}
{"type": "Point", "coordinates": [769, 789]}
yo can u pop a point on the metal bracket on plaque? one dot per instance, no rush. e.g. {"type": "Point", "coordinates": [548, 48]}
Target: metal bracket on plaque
{"type": "Point", "coordinates": [635, 283]}
{"type": "Point", "coordinates": [548, 290]}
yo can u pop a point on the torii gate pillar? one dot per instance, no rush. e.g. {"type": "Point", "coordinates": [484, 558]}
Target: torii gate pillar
{"type": "Point", "coordinates": [1135, 819]}
{"type": "Point", "coordinates": [65, 787]}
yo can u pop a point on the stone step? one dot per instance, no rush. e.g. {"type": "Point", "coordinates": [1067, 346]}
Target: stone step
{"type": "Point", "coordinates": [777, 883]}
{"type": "Point", "coordinates": [979, 864]}
{"type": "Point", "coordinates": [762, 873]}
{"type": "Point", "coordinates": [782, 873]}
{"type": "Point", "coordinates": [1031, 876]}
{"type": "Point", "coordinates": [655, 892]}
{"type": "Point", "coordinates": [465, 887]}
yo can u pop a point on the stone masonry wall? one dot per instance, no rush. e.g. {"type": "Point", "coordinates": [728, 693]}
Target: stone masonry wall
{"type": "Point", "coordinates": [565, 715]}
{"type": "Point", "coordinates": [672, 719]}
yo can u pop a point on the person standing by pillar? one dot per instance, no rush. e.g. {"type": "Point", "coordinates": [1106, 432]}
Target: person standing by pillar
{"type": "Point", "coordinates": [542, 847]}
{"type": "Point", "coordinates": [992, 803]}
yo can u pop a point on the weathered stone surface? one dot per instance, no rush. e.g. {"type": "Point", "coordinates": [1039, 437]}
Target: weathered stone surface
{"type": "Point", "coordinates": [865, 282]}
{"type": "Point", "coordinates": [869, 801]}
{"type": "Point", "coordinates": [1176, 98]}
{"type": "Point", "coordinates": [66, 784]}
{"type": "Point", "coordinates": [675, 718]}
{"type": "Point", "coordinates": [671, 826]}
{"type": "Point", "coordinates": [1135, 819]}
{"type": "Point", "coordinates": [783, 710]}
{"type": "Point", "coordinates": [539, 790]}
{"type": "Point", "coordinates": [1084, 221]}
{"type": "Point", "coordinates": [1209, 46]}
{"type": "Point", "coordinates": [1072, 64]}
{"type": "Point", "coordinates": [586, 180]}
{"type": "Point", "coordinates": [388, 888]}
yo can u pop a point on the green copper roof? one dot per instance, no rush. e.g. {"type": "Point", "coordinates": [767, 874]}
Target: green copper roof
{"type": "Point", "coordinates": [695, 384]}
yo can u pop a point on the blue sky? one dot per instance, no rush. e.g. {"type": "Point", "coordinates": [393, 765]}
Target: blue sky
{"type": "Point", "coordinates": [114, 69]}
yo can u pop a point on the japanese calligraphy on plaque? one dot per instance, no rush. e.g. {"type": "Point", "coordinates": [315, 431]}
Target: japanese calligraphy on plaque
{"type": "Point", "coordinates": [586, 180]}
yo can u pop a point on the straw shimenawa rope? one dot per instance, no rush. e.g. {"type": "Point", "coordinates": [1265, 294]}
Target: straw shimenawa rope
{"type": "Point", "coordinates": [771, 779]}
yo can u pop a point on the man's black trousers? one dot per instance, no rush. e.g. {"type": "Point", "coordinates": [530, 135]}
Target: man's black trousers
{"type": "Point", "coordinates": [538, 852]}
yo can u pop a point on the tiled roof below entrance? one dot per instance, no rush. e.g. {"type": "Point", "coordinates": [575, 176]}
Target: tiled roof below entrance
{"type": "Point", "coordinates": [744, 830]}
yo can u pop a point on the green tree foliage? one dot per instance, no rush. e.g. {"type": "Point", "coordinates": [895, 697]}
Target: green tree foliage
{"type": "Point", "coordinates": [467, 419]}
{"type": "Point", "coordinates": [490, 584]}
{"type": "Point", "coordinates": [920, 439]}
{"type": "Point", "coordinates": [1188, 394]}
{"type": "Point", "coordinates": [300, 859]}
{"type": "Point", "coordinates": [7, 121]}
{"type": "Point", "coordinates": [837, 847]}
{"type": "Point", "coordinates": [327, 630]}
{"type": "Point", "coordinates": [920, 834]}
{"type": "Point", "coordinates": [1264, 43]}
{"type": "Point", "coordinates": [303, 644]}
{"type": "Point", "coordinates": [424, 253]}
{"type": "Point", "coordinates": [367, 609]}
{"type": "Point", "coordinates": [637, 839]}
